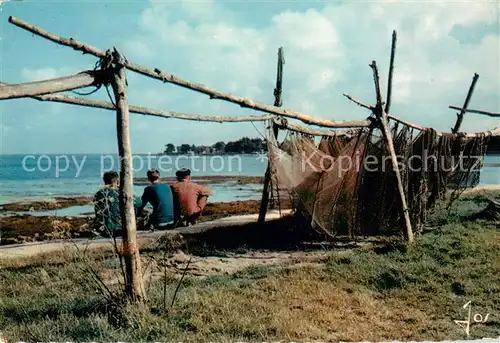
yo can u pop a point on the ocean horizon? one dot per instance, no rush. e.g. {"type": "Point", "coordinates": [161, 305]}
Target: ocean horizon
{"type": "Point", "coordinates": [30, 177]}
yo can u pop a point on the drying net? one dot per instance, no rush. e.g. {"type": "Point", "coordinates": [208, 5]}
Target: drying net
{"type": "Point", "coordinates": [346, 184]}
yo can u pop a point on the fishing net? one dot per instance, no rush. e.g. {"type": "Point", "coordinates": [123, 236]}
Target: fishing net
{"type": "Point", "coordinates": [321, 181]}
{"type": "Point", "coordinates": [346, 184]}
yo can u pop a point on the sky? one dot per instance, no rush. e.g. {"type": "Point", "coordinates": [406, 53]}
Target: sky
{"type": "Point", "coordinates": [232, 46]}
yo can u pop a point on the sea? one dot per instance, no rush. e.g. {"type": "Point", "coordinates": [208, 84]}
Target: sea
{"type": "Point", "coordinates": [43, 177]}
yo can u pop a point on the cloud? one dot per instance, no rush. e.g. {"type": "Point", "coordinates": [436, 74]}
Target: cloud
{"type": "Point", "coordinates": [327, 49]}
{"type": "Point", "coordinates": [234, 57]}
{"type": "Point", "coordinates": [309, 32]}
{"type": "Point", "coordinates": [139, 48]}
{"type": "Point", "coordinates": [232, 47]}
{"type": "Point", "coordinates": [38, 74]}
{"type": "Point", "coordinates": [327, 52]}
{"type": "Point", "coordinates": [45, 73]}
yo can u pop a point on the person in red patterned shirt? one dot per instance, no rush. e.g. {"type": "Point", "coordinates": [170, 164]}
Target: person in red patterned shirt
{"type": "Point", "coordinates": [191, 197]}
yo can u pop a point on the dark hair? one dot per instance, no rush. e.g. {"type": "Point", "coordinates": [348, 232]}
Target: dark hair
{"type": "Point", "coordinates": [153, 175]}
{"type": "Point", "coordinates": [182, 173]}
{"type": "Point", "coordinates": [109, 177]}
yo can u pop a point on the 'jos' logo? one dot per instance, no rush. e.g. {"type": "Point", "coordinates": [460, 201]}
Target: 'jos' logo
{"type": "Point", "coordinates": [478, 318]}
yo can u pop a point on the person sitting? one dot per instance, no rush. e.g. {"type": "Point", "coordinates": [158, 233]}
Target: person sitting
{"type": "Point", "coordinates": [192, 197]}
{"type": "Point", "coordinates": [107, 220]}
{"type": "Point", "coordinates": [160, 197]}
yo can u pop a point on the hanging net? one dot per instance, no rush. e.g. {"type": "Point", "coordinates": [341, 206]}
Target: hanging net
{"type": "Point", "coordinates": [346, 184]}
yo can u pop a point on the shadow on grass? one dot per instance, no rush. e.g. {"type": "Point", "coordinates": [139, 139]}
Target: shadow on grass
{"type": "Point", "coordinates": [290, 233]}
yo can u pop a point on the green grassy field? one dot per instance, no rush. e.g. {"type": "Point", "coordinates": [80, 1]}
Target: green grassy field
{"type": "Point", "coordinates": [382, 292]}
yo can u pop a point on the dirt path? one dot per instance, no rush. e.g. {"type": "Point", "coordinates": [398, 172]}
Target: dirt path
{"type": "Point", "coordinates": [232, 263]}
{"type": "Point", "coordinates": [180, 262]}
{"type": "Point", "coordinates": [32, 249]}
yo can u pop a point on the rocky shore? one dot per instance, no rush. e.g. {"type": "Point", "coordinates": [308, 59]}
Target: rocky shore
{"type": "Point", "coordinates": [46, 205]}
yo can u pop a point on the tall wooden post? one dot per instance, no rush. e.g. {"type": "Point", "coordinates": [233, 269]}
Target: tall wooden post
{"type": "Point", "coordinates": [460, 116]}
{"type": "Point", "coordinates": [386, 132]}
{"type": "Point", "coordinates": [277, 102]}
{"type": "Point", "coordinates": [134, 287]}
{"type": "Point", "coordinates": [267, 182]}
{"type": "Point", "coordinates": [391, 72]}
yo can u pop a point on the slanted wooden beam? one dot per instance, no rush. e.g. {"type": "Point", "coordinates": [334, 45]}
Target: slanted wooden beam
{"type": "Point", "coordinates": [494, 132]}
{"type": "Point", "coordinates": [153, 112]}
{"type": "Point", "coordinates": [61, 84]}
{"type": "Point", "coordinates": [282, 124]}
{"type": "Point", "coordinates": [170, 78]}
{"type": "Point", "coordinates": [68, 99]}
{"type": "Point", "coordinates": [414, 126]}
{"type": "Point", "coordinates": [359, 103]}
{"type": "Point", "coordinates": [373, 108]}
{"type": "Point", "coordinates": [382, 116]}
{"type": "Point", "coordinates": [466, 110]}
{"type": "Point", "coordinates": [134, 287]}
{"type": "Point", "coordinates": [285, 125]}
{"type": "Point", "coordinates": [460, 116]}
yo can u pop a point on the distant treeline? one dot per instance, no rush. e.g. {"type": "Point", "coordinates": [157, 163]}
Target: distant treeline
{"type": "Point", "coordinates": [243, 145]}
{"type": "Point", "coordinates": [247, 145]}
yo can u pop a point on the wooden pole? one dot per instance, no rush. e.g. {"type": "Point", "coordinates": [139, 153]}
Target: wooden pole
{"type": "Point", "coordinates": [460, 116]}
{"type": "Point", "coordinates": [170, 78]}
{"type": "Point", "coordinates": [61, 84]}
{"type": "Point", "coordinates": [134, 287]}
{"type": "Point", "coordinates": [282, 122]}
{"type": "Point", "coordinates": [487, 113]}
{"type": "Point", "coordinates": [159, 75]}
{"type": "Point", "coordinates": [494, 132]}
{"type": "Point", "coordinates": [391, 71]}
{"type": "Point", "coordinates": [490, 133]}
{"type": "Point", "coordinates": [68, 99]}
{"type": "Point", "coordinates": [267, 183]}
{"type": "Point", "coordinates": [285, 125]}
{"type": "Point", "coordinates": [359, 103]}
{"type": "Point", "coordinates": [277, 102]}
{"type": "Point", "coordinates": [382, 116]}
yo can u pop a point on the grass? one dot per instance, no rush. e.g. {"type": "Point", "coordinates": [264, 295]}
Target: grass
{"type": "Point", "coordinates": [383, 292]}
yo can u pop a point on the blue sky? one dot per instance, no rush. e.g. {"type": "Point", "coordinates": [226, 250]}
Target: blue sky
{"type": "Point", "coordinates": [232, 46]}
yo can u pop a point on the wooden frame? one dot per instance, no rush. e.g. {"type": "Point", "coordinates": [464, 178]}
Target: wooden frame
{"type": "Point", "coordinates": [114, 74]}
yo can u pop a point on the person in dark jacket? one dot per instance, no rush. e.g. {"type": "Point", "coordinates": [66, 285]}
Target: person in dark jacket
{"type": "Point", "coordinates": [159, 195]}
{"type": "Point", "coordinates": [107, 220]}
{"type": "Point", "coordinates": [106, 205]}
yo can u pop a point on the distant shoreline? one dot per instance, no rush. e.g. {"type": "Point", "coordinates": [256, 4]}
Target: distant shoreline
{"type": "Point", "coordinates": [215, 154]}
{"type": "Point", "coordinates": [139, 154]}
{"type": "Point", "coordinates": [488, 153]}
